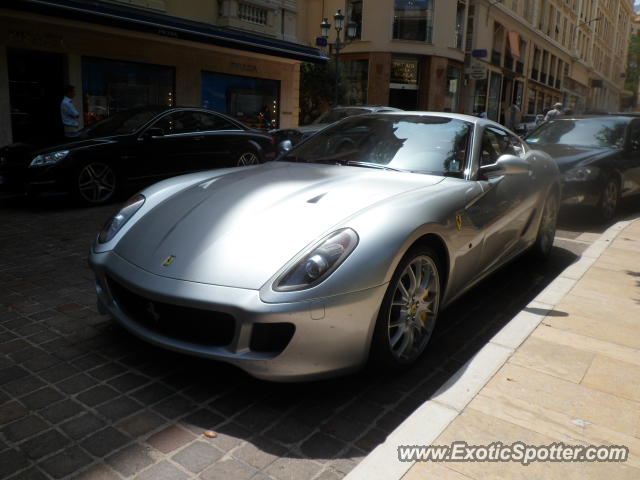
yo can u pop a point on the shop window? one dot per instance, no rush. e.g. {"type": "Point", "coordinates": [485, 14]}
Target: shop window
{"type": "Point", "coordinates": [354, 13]}
{"type": "Point", "coordinates": [111, 86]}
{"type": "Point", "coordinates": [355, 75]}
{"type": "Point", "coordinates": [254, 101]}
{"type": "Point", "coordinates": [413, 20]}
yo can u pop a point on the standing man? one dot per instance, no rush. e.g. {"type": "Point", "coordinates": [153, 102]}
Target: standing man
{"type": "Point", "coordinates": [69, 113]}
{"type": "Point", "coordinates": [554, 112]}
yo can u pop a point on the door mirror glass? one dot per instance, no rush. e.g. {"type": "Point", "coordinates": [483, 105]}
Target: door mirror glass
{"type": "Point", "coordinates": [285, 146]}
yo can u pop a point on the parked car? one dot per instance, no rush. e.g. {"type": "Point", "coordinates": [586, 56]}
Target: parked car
{"type": "Point", "coordinates": [134, 147]}
{"type": "Point", "coordinates": [296, 135]}
{"type": "Point", "coordinates": [343, 249]}
{"type": "Point", "coordinates": [528, 123]}
{"type": "Point", "coordinates": [599, 157]}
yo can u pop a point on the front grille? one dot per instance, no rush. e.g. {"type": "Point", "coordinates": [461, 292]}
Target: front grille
{"type": "Point", "coordinates": [193, 325]}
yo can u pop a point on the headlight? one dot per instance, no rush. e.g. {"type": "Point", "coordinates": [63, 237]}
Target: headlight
{"type": "Point", "coordinates": [318, 263]}
{"type": "Point", "coordinates": [114, 225]}
{"type": "Point", "coordinates": [581, 174]}
{"type": "Point", "coordinates": [49, 158]}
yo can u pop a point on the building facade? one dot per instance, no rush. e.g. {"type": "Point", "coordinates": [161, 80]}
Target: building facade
{"type": "Point", "coordinates": [475, 56]}
{"type": "Point", "coordinates": [406, 54]}
{"type": "Point", "coordinates": [237, 57]}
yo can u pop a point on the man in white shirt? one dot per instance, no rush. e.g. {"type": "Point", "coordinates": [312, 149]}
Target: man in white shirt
{"type": "Point", "coordinates": [69, 113]}
{"type": "Point", "coordinates": [554, 112]}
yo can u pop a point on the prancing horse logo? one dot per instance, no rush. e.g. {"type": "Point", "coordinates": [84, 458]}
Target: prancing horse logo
{"type": "Point", "coordinates": [169, 260]}
{"type": "Point", "coordinates": [459, 221]}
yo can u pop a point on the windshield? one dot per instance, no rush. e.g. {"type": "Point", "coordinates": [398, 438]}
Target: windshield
{"type": "Point", "coordinates": [583, 132]}
{"type": "Point", "coordinates": [435, 145]}
{"type": "Point", "coordinates": [121, 123]}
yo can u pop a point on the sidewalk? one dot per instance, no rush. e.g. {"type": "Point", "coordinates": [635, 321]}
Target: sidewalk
{"type": "Point", "coordinates": [566, 369]}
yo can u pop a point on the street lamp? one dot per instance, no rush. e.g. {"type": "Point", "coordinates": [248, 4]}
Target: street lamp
{"type": "Point", "coordinates": [352, 27]}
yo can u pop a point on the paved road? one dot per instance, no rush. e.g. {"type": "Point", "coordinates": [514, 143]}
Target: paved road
{"type": "Point", "coordinates": [80, 397]}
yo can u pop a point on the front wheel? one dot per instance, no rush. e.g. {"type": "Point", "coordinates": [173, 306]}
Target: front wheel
{"type": "Point", "coordinates": [547, 229]}
{"type": "Point", "coordinates": [96, 183]}
{"type": "Point", "coordinates": [248, 157]}
{"type": "Point", "coordinates": [409, 310]}
{"type": "Point", "coordinates": [609, 200]}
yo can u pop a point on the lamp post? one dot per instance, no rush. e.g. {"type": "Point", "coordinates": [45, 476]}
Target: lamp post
{"type": "Point", "coordinates": [325, 26]}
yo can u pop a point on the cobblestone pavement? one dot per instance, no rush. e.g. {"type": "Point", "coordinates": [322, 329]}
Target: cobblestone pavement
{"type": "Point", "coordinates": [81, 398]}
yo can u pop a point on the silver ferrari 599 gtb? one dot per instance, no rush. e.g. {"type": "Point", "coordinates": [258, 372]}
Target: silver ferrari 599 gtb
{"type": "Point", "coordinates": [342, 250]}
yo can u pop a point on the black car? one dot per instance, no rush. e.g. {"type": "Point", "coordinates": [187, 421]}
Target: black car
{"type": "Point", "coordinates": [133, 148]}
{"type": "Point", "coordinates": [296, 135]}
{"type": "Point", "coordinates": [598, 156]}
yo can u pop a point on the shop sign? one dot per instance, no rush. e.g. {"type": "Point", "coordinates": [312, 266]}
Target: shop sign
{"type": "Point", "coordinates": [477, 71]}
{"type": "Point", "coordinates": [404, 72]}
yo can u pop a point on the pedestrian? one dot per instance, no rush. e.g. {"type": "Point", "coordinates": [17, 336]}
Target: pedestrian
{"type": "Point", "coordinates": [69, 113]}
{"type": "Point", "coordinates": [514, 116]}
{"type": "Point", "coordinates": [555, 112]}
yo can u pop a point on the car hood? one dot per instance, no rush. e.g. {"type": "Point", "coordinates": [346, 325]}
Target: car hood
{"type": "Point", "coordinates": [75, 145]}
{"type": "Point", "coordinates": [240, 228]}
{"type": "Point", "coordinates": [569, 156]}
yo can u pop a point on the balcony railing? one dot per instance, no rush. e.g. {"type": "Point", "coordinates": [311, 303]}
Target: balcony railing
{"type": "Point", "coordinates": [252, 14]}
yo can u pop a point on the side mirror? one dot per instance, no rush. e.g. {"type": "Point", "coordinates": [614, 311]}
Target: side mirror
{"type": "Point", "coordinates": [285, 146]}
{"type": "Point", "coordinates": [151, 133]}
{"type": "Point", "coordinates": [505, 165]}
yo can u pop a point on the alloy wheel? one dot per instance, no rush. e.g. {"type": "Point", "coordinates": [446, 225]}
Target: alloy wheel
{"type": "Point", "coordinates": [548, 222]}
{"type": "Point", "coordinates": [414, 306]}
{"type": "Point", "coordinates": [248, 158]}
{"type": "Point", "coordinates": [96, 182]}
{"type": "Point", "coordinates": [609, 200]}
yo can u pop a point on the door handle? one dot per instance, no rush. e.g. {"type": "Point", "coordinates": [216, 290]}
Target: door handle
{"type": "Point", "coordinates": [198, 138]}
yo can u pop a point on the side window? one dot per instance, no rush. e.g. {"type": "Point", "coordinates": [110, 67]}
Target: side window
{"type": "Point", "coordinates": [208, 122]}
{"type": "Point", "coordinates": [634, 135]}
{"type": "Point", "coordinates": [177, 122]}
{"type": "Point", "coordinates": [496, 143]}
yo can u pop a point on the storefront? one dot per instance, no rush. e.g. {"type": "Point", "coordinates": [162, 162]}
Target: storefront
{"type": "Point", "coordinates": [117, 62]}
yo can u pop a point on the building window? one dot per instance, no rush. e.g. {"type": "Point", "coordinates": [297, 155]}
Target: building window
{"type": "Point", "coordinates": [354, 13]}
{"type": "Point", "coordinates": [252, 14]}
{"type": "Point", "coordinates": [111, 86]}
{"type": "Point", "coordinates": [498, 44]}
{"type": "Point", "coordinates": [413, 20]}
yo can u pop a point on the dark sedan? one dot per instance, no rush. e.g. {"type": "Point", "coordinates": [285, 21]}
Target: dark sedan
{"type": "Point", "coordinates": [598, 156]}
{"type": "Point", "coordinates": [133, 148]}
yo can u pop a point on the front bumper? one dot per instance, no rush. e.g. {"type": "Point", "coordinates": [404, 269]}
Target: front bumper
{"type": "Point", "coordinates": [332, 335]}
{"type": "Point", "coordinates": [585, 193]}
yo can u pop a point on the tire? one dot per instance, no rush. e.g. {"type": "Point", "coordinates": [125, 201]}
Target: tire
{"type": "Point", "coordinates": [408, 312]}
{"type": "Point", "coordinates": [248, 156]}
{"type": "Point", "coordinates": [609, 200]}
{"type": "Point", "coordinates": [547, 228]}
{"type": "Point", "coordinates": [95, 183]}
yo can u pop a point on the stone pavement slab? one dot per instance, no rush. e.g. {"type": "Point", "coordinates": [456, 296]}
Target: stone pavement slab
{"type": "Point", "coordinates": [572, 375]}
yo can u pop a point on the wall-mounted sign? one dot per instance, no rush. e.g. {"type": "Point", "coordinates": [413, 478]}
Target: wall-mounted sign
{"type": "Point", "coordinates": [404, 72]}
{"type": "Point", "coordinates": [321, 42]}
{"type": "Point", "coordinates": [479, 53]}
{"type": "Point", "coordinates": [477, 71]}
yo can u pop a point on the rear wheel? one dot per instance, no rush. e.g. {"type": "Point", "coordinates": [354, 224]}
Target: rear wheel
{"type": "Point", "coordinates": [96, 183]}
{"type": "Point", "coordinates": [409, 310]}
{"type": "Point", "coordinates": [248, 157]}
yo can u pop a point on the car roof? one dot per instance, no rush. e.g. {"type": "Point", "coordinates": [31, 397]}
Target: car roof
{"type": "Point", "coordinates": [368, 107]}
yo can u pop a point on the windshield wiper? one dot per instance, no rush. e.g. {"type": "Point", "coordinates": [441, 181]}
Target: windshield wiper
{"type": "Point", "coordinates": [354, 163]}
